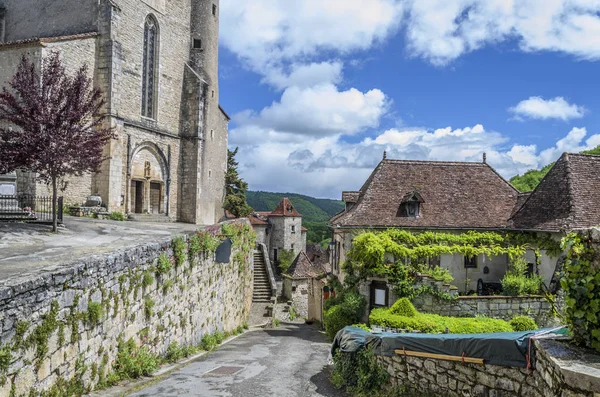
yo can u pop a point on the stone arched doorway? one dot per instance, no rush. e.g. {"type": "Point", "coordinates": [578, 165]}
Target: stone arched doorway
{"type": "Point", "coordinates": [147, 187]}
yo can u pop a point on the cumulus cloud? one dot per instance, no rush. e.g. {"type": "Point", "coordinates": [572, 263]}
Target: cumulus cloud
{"type": "Point", "coordinates": [305, 75]}
{"type": "Point", "coordinates": [538, 108]}
{"type": "Point", "coordinates": [319, 111]}
{"type": "Point", "coordinates": [327, 166]}
{"type": "Point", "coordinates": [443, 30]}
{"type": "Point", "coordinates": [269, 32]}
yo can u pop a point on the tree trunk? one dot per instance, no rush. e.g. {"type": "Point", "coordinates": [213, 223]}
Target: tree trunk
{"type": "Point", "coordinates": [54, 193]}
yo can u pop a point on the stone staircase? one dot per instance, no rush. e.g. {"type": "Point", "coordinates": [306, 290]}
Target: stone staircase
{"type": "Point", "coordinates": [154, 218]}
{"type": "Point", "coordinates": [262, 286]}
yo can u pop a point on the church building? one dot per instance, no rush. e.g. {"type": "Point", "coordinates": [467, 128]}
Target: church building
{"type": "Point", "coordinates": [157, 63]}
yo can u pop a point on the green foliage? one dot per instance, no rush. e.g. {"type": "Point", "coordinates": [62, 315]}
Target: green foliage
{"type": "Point", "coordinates": [175, 352]}
{"type": "Point", "coordinates": [364, 327]}
{"type": "Point", "coordinates": [94, 312]}
{"type": "Point", "coordinates": [5, 358]}
{"type": "Point", "coordinates": [203, 242]}
{"type": "Point", "coordinates": [435, 272]}
{"type": "Point", "coordinates": [529, 180]}
{"type": "Point", "coordinates": [403, 307]}
{"type": "Point", "coordinates": [317, 231]}
{"type": "Point", "coordinates": [147, 279]}
{"type": "Point", "coordinates": [209, 342]}
{"type": "Point", "coordinates": [164, 264]}
{"type": "Point", "coordinates": [133, 362]}
{"type": "Point", "coordinates": [312, 209]}
{"type": "Point", "coordinates": [516, 282]}
{"type": "Point", "coordinates": [285, 259]}
{"type": "Point", "coordinates": [292, 313]}
{"type": "Point", "coordinates": [433, 323]}
{"type": "Point", "coordinates": [235, 189]}
{"type": "Point", "coordinates": [276, 322]}
{"type": "Point", "coordinates": [581, 284]}
{"type": "Point", "coordinates": [167, 284]}
{"type": "Point", "coordinates": [117, 216]}
{"type": "Point", "coordinates": [40, 335]}
{"type": "Point", "coordinates": [149, 308]}
{"type": "Point", "coordinates": [523, 323]}
{"type": "Point", "coordinates": [179, 251]}
{"type": "Point", "coordinates": [348, 312]}
{"type": "Point", "coordinates": [359, 373]}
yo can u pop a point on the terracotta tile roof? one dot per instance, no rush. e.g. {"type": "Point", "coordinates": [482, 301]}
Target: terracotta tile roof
{"type": "Point", "coordinates": [454, 194]}
{"type": "Point", "coordinates": [45, 40]}
{"type": "Point", "coordinates": [304, 229]}
{"type": "Point", "coordinates": [302, 267]}
{"type": "Point", "coordinates": [285, 208]}
{"type": "Point", "coordinates": [257, 219]}
{"type": "Point", "coordinates": [566, 199]}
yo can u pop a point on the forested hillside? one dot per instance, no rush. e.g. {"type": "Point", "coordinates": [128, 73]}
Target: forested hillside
{"type": "Point", "coordinates": [529, 180]}
{"type": "Point", "coordinates": [315, 212]}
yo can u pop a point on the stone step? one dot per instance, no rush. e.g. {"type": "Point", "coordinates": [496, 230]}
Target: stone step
{"type": "Point", "coordinates": [155, 218]}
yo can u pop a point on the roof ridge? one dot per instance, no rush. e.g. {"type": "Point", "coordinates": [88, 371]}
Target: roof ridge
{"type": "Point", "coordinates": [435, 162]}
{"type": "Point", "coordinates": [583, 154]}
{"type": "Point", "coordinates": [501, 177]}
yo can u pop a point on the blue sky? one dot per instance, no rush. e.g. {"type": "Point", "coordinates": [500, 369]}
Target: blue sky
{"type": "Point", "coordinates": [317, 90]}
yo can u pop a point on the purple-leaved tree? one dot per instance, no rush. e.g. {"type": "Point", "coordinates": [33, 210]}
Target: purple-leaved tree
{"type": "Point", "coordinates": [51, 123]}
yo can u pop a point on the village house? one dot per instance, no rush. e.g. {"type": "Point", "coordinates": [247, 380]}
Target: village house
{"type": "Point", "coordinates": [280, 229]}
{"type": "Point", "coordinates": [157, 64]}
{"type": "Point", "coordinates": [456, 197]}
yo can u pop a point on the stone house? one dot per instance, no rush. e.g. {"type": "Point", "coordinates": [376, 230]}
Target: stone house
{"type": "Point", "coordinates": [157, 64]}
{"type": "Point", "coordinates": [304, 284]}
{"type": "Point", "coordinates": [280, 229]}
{"type": "Point", "coordinates": [455, 197]}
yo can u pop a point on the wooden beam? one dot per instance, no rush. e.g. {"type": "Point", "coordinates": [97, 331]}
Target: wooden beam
{"type": "Point", "coordinates": [440, 356]}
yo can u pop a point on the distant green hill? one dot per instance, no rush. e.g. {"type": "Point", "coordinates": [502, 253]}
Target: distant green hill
{"type": "Point", "coordinates": [312, 209]}
{"type": "Point", "coordinates": [529, 180]}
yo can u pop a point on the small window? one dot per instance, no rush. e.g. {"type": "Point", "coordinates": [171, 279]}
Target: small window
{"type": "Point", "coordinates": [471, 262]}
{"type": "Point", "coordinates": [293, 228]}
{"type": "Point", "coordinates": [292, 245]}
{"type": "Point", "coordinates": [209, 173]}
{"type": "Point", "coordinates": [213, 93]}
{"type": "Point", "coordinates": [214, 9]}
{"type": "Point", "coordinates": [379, 294]}
{"type": "Point", "coordinates": [197, 43]}
{"type": "Point", "coordinates": [212, 134]}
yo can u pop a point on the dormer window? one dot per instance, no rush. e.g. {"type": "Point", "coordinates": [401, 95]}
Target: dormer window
{"type": "Point", "coordinates": [410, 206]}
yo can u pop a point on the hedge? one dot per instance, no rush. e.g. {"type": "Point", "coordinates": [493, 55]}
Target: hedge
{"type": "Point", "coordinates": [433, 323]}
{"type": "Point", "coordinates": [348, 312]}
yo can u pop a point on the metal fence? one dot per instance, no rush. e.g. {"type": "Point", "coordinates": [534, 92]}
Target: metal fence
{"type": "Point", "coordinates": [29, 208]}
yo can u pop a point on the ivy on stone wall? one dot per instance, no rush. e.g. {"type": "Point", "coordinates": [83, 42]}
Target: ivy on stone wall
{"type": "Point", "coordinates": [581, 284]}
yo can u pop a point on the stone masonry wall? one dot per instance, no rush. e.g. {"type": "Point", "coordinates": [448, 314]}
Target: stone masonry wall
{"type": "Point", "coordinates": [504, 307]}
{"type": "Point", "coordinates": [182, 306]}
{"type": "Point", "coordinates": [451, 378]}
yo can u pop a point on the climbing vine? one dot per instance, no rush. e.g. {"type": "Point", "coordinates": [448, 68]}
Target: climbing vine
{"type": "Point", "coordinates": [581, 284]}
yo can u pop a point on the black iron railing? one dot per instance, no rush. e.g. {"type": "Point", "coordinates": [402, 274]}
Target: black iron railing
{"type": "Point", "coordinates": [29, 208]}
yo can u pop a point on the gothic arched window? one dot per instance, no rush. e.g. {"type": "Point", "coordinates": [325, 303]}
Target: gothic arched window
{"type": "Point", "coordinates": [150, 66]}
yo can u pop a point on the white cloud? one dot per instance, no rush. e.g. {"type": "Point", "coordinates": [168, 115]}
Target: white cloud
{"type": "Point", "coordinates": [327, 166]}
{"type": "Point", "coordinates": [306, 75]}
{"type": "Point", "coordinates": [319, 111]}
{"type": "Point", "coordinates": [538, 108]}
{"type": "Point", "coordinates": [269, 32]}
{"type": "Point", "coordinates": [443, 30]}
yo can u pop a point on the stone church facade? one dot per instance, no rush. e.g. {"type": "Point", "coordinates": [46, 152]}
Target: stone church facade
{"type": "Point", "coordinates": [157, 63]}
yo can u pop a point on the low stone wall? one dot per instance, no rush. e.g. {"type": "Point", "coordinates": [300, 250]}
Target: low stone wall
{"type": "Point", "coordinates": [68, 318]}
{"type": "Point", "coordinates": [504, 307]}
{"type": "Point", "coordinates": [450, 378]}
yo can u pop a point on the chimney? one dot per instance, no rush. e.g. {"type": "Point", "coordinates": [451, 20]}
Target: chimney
{"type": "Point", "coordinates": [484, 158]}
{"type": "Point", "coordinates": [2, 24]}
{"type": "Point", "coordinates": [384, 155]}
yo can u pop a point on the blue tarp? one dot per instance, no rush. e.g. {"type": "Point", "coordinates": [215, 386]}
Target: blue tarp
{"type": "Point", "coordinates": [509, 349]}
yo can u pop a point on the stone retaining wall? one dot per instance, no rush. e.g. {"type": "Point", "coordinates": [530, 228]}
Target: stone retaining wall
{"type": "Point", "coordinates": [195, 299]}
{"type": "Point", "coordinates": [450, 378]}
{"type": "Point", "coordinates": [504, 307]}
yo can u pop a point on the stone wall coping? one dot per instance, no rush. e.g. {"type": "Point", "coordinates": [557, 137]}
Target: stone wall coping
{"type": "Point", "coordinates": [579, 367]}
{"type": "Point", "coordinates": [492, 297]}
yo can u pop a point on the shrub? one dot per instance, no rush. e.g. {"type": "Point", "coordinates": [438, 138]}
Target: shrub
{"type": "Point", "coordinates": [348, 312]}
{"type": "Point", "coordinates": [209, 342]}
{"type": "Point", "coordinates": [164, 264]}
{"type": "Point", "coordinates": [94, 312]}
{"type": "Point", "coordinates": [359, 373]}
{"type": "Point", "coordinates": [149, 308]}
{"type": "Point", "coordinates": [516, 282]}
{"type": "Point", "coordinates": [403, 307]}
{"type": "Point", "coordinates": [117, 216]}
{"type": "Point", "coordinates": [179, 250]}
{"type": "Point", "coordinates": [433, 323]}
{"type": "Point", "coordinates": [133, 362]}
{"type": "Point", "coordinates": [523, 323]}
{"type": "Point", "coordinates": [285, 259]}
{"type": "Point", "coordinates": [147, 279]}
{"type": "Point", "coordinates": [436, 272]}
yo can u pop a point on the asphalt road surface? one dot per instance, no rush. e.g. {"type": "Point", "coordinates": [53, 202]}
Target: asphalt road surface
{"type": "Point", "coordinates": [289, 361]}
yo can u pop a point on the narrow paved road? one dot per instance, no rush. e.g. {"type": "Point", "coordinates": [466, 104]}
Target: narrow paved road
{"type": "Point", "coordinates": [287, 361]}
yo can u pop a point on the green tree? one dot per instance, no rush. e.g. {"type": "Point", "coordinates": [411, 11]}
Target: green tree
{"type": "Point", "coordinates": [235, 189]}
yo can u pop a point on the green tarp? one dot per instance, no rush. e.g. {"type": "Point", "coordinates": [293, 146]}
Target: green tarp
{"type": "Point", "coordinates": [509, 349]}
